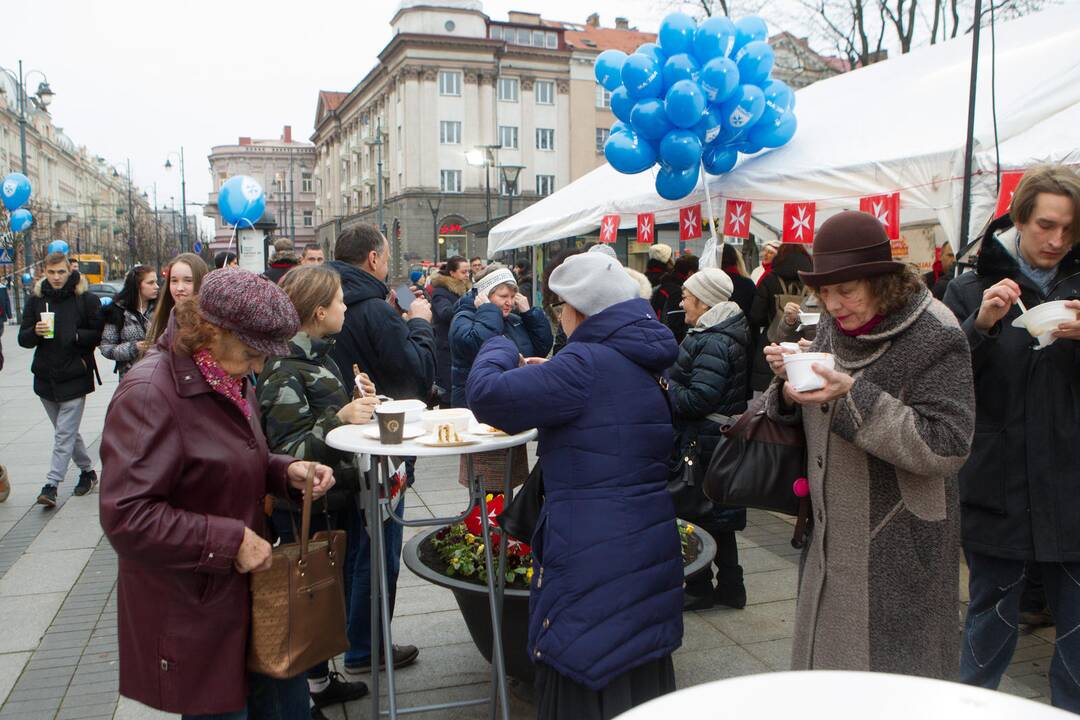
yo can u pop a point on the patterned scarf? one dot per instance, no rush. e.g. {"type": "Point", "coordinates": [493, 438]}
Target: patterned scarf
{"type": "Point", "coordinates": [224, 384]}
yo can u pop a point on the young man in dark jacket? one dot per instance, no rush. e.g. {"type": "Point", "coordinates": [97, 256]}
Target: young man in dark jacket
{"type": "Point", "coordinates": [1018, 491]}
{"type": "Point", "coordinates": [397, 353]}
{"type": "Point", "coordinates": [63, 366]}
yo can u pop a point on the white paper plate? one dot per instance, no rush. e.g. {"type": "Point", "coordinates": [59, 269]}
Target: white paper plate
{"type": "Point", "coordinates": [411, 431]}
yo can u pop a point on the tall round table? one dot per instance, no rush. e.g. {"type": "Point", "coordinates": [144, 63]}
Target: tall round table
{"type": "Point", "coordinates": [375, 504]}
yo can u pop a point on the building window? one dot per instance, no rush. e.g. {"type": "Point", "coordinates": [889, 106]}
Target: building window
{"type": "Point", "coordinates": [545, 92]}
{"type": "Point", "coordinates": [601, 138]}
{"type": "Point", "coordinates": [496, 32]}
{"type": "Point", "coordinates": [545, 185]}
{"type": "Point", "coordinates": [450, 132]}
{"type": "Point", "coordinates": [504, 189]}
{"type": "Point", "coordinates": [450, 181]}
{"type": "Point", "coordinates": [508, 89]}
{"type": "Point", "coordinates": [545, 139]}
{"type": "Point", "coordinates": [309, 218]}
{"type": "Point", "coordinates": [523, 36]}
{"type": "Point", "coordinates": [449, 82]}
{"type": "Point", "coordinates": [306, 182]}
{"type": "Point", "coordinates": [603, 97]}
{"type": "Point", "coordinates": [508, 137]}
{"type": "Point", "coordinates": [551, 40]}
{"type": "Point", "coordinates": [222, 179]}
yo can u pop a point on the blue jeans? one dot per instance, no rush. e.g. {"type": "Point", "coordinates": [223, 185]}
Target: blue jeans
{"type": "Point", "coordinates": [358, 580]}
{"type": "Point", "coordinates": [269, 699]}
{"type": "Point", "coordinates": [990, 628]}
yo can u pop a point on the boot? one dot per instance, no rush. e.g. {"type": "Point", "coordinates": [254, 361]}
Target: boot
{"type": "Point", "coordinates": [730, 590]}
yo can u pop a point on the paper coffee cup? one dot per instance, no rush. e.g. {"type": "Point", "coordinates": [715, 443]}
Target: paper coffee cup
{"type": "Point", "coordinates": [49, 317]}
{"type": "Point", "coordinates": [391, 426]}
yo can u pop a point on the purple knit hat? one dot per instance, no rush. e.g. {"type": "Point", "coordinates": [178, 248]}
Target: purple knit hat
{"type": "Point", "coordinates": [252, 308]}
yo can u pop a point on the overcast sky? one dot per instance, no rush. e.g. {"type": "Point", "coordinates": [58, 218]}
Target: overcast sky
{"type": "Point", "coordinates": [139, 79]}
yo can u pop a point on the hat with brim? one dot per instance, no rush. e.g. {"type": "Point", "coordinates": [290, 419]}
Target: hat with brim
{"type": "Point", "coordinates": [850, 246]}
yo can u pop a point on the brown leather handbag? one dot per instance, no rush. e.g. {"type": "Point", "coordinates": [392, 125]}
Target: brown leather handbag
{"type": "Point", "coordinates": [298, 605]}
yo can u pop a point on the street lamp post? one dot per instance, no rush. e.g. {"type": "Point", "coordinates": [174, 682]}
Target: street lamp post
{"type": "Point", "coordinates": [484, 156]}
{"type": "Point", "coordinates": [510, 174]}
{"type": "Point", "coordinates": [183, 197]}
{"type": "Point", "coordinates": [42, 98]}
{"type": "Point", "coordinates": [435, 227]}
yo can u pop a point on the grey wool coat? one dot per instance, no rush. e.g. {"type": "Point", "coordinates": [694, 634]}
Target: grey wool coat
{"type": "Point", "coordinates": [878, 580]}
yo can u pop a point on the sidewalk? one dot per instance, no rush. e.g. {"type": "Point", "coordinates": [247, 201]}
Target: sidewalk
{"type": "Point", "coordinates": [58, 655]}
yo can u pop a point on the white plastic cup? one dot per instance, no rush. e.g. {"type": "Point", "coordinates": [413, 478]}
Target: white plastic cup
{"type": "Point", "coordinates": [800, 373]}
{"type": "Point", "coordinates": [49, 317]}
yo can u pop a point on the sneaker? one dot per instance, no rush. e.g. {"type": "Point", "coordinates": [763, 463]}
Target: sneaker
{"type": "Point", "coordinates": [47, 496]}
{"type": "Point", "coordinates": [87, 481]}
{"type": "Point", "coordinates": [5, 485]}
{"type": "Point", "coordinates": [338, 691]}
{"type": "Point", "coordinates": [404, 655]}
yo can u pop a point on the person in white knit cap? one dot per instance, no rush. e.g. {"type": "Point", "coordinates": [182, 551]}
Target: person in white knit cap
{"type": "Point", "coordinates": [644, 288]}
{"type": "Point", "coordinates": [709, 383]}
{"type": "Point", "coordinates": [660, 263]}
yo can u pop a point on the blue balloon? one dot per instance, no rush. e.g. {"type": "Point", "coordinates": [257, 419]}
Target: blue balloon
{"type": "Point", "coordinates": [719, 159]}
{"type": "Point", "coordinates": [680, 149]}
{"type": "Point", "coordinates": [106, 301]}
{"type": "Point", "coordinates": [672, 184]}
{"type": "Point", "coordinates": [774, 134]}
{"type": "Point", "coordinates": [685, 104]}
{"type": "Point", "coordinates": [241, 200]}
{"type": "Point", "coordinates": [608, 68]}
{"type": "Point", "coordinates": [20, 220]}
{"type": "Point", "coordinates": [713, 39]}
{"type": "Point", "coordinates": [749, 148]}
{"type": "Point", "coordinates": [14, 190]}
{"type": "Point", "coordinates": [27, 278]}
{"type": "Point", "coordinates": [747, 30]}
{"type": "Point", "coordinates": [642, 77]}
{"type": "Point", "coordinates": [58, 246]}
{"type": "Point", "coordinates": [755, 62]}
{"type": "Point", "coordinates": [779, 100]}
{"type": "Point", "coordinates": [677, 33]}
{"type": "Point", "coordinates": [680, 67]}
{"type": "Point", "coordinates": [740, 112]}
{"type": "Point", "coordinates": [708, 128]}
{"type": "Point", "coordinates": [621, 104]}
{"type": "Point", "coordinates": [628, 153]}
{"type": "Point", "coordinates": [619, 126]}
{"type": "Point", "coordinates": [649, 119]}
{"type": "Point", "coordinates": [654, 51]}
{"type": "Point", "coordinates": [719, 78]}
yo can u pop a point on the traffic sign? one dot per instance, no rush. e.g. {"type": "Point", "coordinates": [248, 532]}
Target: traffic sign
{"type": "Point", "coordinates": [7, 257]}
{"type": "Point", "coordinates": [197, 248]}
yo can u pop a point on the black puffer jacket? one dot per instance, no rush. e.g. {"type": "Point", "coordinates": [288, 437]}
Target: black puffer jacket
{"type": "Point", "coordinates": [1018, 490]}
{"type": "Point", "coordinates": [764, 309]}
{"type": "Point", "coordinates": [63, 367]}
{"type": "Point", "coordinates": [444, 299]}
{"type": "Point", "coordinates": [666, 301]}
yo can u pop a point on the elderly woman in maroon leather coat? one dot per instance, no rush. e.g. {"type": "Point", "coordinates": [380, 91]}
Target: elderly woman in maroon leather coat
{"type": "Point", "coordinates": [185, 469]}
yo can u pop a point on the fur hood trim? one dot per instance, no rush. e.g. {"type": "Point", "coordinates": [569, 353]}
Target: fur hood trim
{"type": "Point", "coordinates": [80, 287]}
{"type": "Point", "coordinates": [458, 287]}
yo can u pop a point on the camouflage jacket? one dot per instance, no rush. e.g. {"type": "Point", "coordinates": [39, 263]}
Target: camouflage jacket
{"type": "Point", "coordinates": [299, 397]}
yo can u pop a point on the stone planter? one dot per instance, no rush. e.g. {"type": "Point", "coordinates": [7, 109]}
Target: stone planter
{"type": "Point", "coordinates": [473, 603]}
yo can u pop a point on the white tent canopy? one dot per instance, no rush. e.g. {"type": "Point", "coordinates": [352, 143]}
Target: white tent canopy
{"type": "Point", "coordinates": [896, 125]}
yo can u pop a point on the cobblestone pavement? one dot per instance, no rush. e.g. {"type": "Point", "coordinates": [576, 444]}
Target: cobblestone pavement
{"type": "Point", "coordinates": [58, 654]}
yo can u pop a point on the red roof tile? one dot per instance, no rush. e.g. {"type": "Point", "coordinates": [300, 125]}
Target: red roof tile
{"type": "Point", "coordinates": [606, 38]}
{"type": "Point", "coordinates": [331, 100]}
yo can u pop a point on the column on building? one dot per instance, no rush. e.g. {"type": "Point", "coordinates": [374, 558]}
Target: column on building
{"type": "Point", "coordinates": [564, 149]}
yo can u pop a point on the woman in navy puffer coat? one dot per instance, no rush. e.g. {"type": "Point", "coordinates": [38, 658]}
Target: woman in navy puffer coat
{"type": "Point", "coordinates": [606, 598]}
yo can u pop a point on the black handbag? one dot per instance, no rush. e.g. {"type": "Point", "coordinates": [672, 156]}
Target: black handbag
{"type": "Point", "coordinates": [685, 481]}
{"type": "Point", "coordinates": [519, 518]}
{"type": "Point", "coordinates": [756, 464]}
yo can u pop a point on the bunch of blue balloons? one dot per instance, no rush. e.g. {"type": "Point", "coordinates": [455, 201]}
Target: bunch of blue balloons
{"type": "Point", "coordinates": [14, 192]}
{"type": "Point", "coordinates": [698, 98]}
{"type": "Point", "coordinates": [241, 201]}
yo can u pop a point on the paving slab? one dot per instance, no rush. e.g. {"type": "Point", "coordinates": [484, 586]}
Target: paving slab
{"type": "Point", "coordinates": [26, 619]}
{"type": "Point", "coordinates": [11, 666]}
{"type": "Point", "coordinates": [69, 530]}
{"type": "Point", "coordinates": [44, 572]}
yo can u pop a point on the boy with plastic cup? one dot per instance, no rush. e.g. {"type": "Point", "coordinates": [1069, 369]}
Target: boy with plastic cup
{"type": "Point", "coordinates": [61, 324]}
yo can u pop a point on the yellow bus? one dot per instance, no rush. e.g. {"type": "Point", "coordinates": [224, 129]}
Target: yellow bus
{"type": "Point", "coordinates": [93, 267]}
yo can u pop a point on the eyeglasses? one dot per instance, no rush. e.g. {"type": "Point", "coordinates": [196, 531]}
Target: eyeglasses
{"type": "Point", "coordinates": [557, 307]}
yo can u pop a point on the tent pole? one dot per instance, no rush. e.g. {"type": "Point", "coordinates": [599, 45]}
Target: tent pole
{"type": "Point", "coordinates": [710, 259]}
{"type": "Point", "coordinates": [965, 206]}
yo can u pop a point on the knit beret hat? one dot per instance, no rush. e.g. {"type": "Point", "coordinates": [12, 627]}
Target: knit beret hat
{"type": "Point", "coordinates": [592, 282]}
{"type": "Point", "coordinates": [660, 252]}
{"type": "Point", "coordinates": [252, 308]}
{"type": "Point", "coordinates": [711, 286]}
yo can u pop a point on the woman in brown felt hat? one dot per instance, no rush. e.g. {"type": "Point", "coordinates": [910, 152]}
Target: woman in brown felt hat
{"type": "Point", "coordinates": [885, 438]}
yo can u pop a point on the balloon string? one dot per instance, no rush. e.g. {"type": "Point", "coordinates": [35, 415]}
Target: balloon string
{"type": "Point", "coordinates": [710, 254]}
{"type": "Point", "coordinates": [236, 227]}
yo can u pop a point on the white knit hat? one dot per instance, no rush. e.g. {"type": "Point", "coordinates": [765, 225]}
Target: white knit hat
{"type": "Point", "coordinates": [660, 252]}
{"type": "Point", "coordinates": [493, 279]}
{"type": "Point", "coordinates": [711, 286]}
{"type": "Point", "coordinates": [606, 249]}
{"type": "Point", "coordinates": [592, 282]}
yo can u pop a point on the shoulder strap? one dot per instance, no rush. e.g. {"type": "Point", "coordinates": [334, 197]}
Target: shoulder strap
{"type": "Point", "coordinates": [662, 383]}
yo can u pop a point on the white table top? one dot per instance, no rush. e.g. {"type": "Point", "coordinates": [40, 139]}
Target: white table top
{"type": "Point", "coordinates": [835, 695]}
{"type": "Point", "coordinates": [351, 438]}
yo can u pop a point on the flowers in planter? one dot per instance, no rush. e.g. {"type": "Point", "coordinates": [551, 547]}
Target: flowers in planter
{"type": "Point", "coordinates": [461, 547]}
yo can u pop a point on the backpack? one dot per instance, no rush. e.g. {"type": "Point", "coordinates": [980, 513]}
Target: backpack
{"type": "Point", "coordinates": [796, 293]}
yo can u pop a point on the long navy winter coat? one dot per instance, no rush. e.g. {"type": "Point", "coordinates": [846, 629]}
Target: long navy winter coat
{"type": "Point", "coordinates": [607, 585]}
{"type": "Point", "coordinates": [472, 327]}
